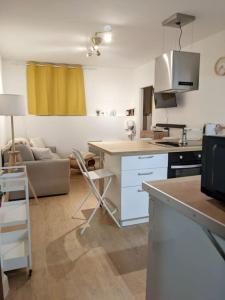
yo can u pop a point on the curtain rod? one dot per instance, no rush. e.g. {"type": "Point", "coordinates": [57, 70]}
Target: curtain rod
{"type": "Point", "coordinates": [53, 64]}
{"type": "Point", "coordinates": [68, 65]}
{"type": "Point", "coordinates": [84, 67]}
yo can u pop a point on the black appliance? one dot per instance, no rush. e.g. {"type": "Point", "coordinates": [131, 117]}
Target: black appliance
{"type": "Point", "coordinates": [213, 167]}
{"type": "Point", "coordinates": [181, 164]}
{"type": "Point", "coordinates": [165, 100]}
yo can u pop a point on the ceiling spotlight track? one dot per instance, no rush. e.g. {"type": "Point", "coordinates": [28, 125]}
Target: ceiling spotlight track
{"type": "Point", "coordinates": [178, 20]}
{"type": "Point", "coordinates": [98, 38]}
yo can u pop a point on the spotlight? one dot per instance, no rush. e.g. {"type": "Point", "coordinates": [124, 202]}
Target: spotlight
{"type": "Point", "coordinates": [97, 40]}
{"type": "Point", "coordinates": [95, 47]}
{"type": "Point", "coordinates": [89, 53]}
{"type": "Point", "coordinates": [108, 37]}
{"type": "Point", "coordinates": [107, 33]}
{"type": "Point", "coordinates": [107, 28]}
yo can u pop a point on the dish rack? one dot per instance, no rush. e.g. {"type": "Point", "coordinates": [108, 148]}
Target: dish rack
{"type": "Point", "coordinates": [15, 236]}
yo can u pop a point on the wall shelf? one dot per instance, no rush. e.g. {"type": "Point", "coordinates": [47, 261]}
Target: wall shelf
{"type": "Point", "coordinates": [106, 116]}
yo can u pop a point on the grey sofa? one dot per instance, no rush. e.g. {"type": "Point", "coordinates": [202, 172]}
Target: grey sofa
{"type": "Point", "coordinates": [48, 177]}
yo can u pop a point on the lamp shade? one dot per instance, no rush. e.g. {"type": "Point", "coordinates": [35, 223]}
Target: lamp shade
{"type": "Point", "coordinates": [12, 105]}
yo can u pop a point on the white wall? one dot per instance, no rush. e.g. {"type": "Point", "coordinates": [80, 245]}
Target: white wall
{"type": "Point", "coordinates": [106, 89]}
{"type": "Point", "coordinates": [197, 107]}
{"type": "Point", "coordinates": [2, 119]}
{"type": "Point", "coordinates": [1, 87]}
{"type": "Point", "coordinates": [119, 89]}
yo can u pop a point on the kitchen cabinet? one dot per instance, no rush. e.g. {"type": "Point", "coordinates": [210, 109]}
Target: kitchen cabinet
{"type": "Point", "coordinates": [133, 162]}
{"type": "Point", "coordinates": [134, 203]}
{"type": "Point", "coordinates": [144, 161]}
{"type": "Point", "coordinates": [136, 177]}
{"type": "Point", "coordinates": [126, 192]}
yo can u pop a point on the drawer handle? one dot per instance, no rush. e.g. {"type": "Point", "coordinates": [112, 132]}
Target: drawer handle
{"type": "Point", "coordinates": [149, 173]}
{"type": "Point", "coordinates": [145, 157]}
{"type": "Point", "coordinates": [140, 191]}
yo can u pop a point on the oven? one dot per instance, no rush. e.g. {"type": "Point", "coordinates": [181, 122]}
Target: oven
{"type": "Point", "coordinates": [181, 164]}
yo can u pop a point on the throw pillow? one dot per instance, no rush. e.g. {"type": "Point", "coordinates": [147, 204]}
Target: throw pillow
{"type": "Point", "coordinates": [42, 153]}
{"type": "Point", "coordinates": [37, 142]}
{"type": "Point", "coordinates": [22, 140]}
{"type": "Point", "coordinates": [25, 152]}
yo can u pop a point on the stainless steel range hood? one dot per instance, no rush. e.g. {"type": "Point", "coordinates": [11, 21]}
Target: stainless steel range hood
{"type": "Point", "coordinates": [177, 72]}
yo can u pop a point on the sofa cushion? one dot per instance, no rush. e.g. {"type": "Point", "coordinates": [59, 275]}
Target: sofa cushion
{"type": "Point", "coordinates": [25, 152]}
{"type": "Point", "coordinates": [37, 142]}
{"type": "Point", "coordinates": [42, 153]}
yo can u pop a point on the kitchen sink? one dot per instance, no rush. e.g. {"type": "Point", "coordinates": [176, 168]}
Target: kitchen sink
{"type": "Point", "coordinates": [177, 144]}
{"type": "Point", "coordinates": [174, 144]}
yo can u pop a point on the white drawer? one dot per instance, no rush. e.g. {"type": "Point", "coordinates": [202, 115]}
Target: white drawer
{"type": "Point", "coordinates": [144, 162]}
{"type": "Point", "coordinates": [136, 177]}
{"type": "Point", "coordinates": [134, 203]}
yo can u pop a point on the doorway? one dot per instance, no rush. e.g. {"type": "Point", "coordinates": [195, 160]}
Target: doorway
{"type": "Point", "coordinates": [147, 95]}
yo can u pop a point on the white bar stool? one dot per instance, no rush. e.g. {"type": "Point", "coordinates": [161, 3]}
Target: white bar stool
{"type": "Point", "coordinates": [91, 177]}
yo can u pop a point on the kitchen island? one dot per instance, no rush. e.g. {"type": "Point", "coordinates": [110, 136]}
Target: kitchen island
{"type": "Point", "coordinates": [186, 242]}
{"type": "Point", "coordinates": [133, 162]}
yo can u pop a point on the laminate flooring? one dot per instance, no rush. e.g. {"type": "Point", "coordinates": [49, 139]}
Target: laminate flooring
{"type": "Point", "coordinates": [106, 263]}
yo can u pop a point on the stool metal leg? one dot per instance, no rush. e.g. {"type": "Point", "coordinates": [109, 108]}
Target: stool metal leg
{"type": "Point", "coordinates": [111, 213]}
{"type": "Point", "coordinates": [106, 188]}
{"type": "Point", "coordinates": [105, 204]}
{"type": "Point", "coordinates": [101, 201]}
{"type": "Point", "coordinates": [90, 218]}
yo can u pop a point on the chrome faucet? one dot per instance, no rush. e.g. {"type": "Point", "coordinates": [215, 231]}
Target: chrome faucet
{"type": "Point", "coordinates": [183, 141]}
{"type": "Point", "coordinates": [131, 129]}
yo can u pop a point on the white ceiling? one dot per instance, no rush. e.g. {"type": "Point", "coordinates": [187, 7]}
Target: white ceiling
{"type": "Point", "coordinates": [59, 30]}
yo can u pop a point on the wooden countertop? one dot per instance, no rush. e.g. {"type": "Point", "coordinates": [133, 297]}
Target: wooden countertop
{"type": "Point", "coordinates": [138, 147]}
{"type": "Point", "coordinates": [184, 195]}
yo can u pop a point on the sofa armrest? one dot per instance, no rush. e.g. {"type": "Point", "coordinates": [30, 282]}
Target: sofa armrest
{"type": "Point", "coordinates": [49, 177]}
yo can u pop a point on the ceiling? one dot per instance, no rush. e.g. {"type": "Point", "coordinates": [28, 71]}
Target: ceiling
{"type": "Point", "coordinates": [59, 30]}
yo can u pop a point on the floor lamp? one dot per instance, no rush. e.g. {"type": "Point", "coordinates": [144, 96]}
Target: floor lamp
{"type": "Point", "coordinates": [14, 105]}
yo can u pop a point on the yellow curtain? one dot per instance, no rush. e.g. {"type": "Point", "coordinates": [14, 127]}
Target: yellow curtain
{"type": "Point", "coordinates": [55, 90]}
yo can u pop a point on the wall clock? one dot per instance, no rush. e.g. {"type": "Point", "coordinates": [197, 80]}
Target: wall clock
{"type": "Point", "coordinates": [220, 66]}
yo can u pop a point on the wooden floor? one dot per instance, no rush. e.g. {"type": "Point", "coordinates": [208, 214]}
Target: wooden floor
{"type": "Point", "coordinates": [105, 263]}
